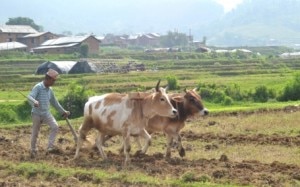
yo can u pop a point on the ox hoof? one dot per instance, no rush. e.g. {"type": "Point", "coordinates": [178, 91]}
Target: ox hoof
{"type": "Point", "coordinates": [139, 153]}
{"type": "Point", "coordinates": [182, 152]}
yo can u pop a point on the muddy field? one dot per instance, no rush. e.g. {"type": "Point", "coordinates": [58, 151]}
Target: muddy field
{"type": "Point", "coordinates": [223, 169]}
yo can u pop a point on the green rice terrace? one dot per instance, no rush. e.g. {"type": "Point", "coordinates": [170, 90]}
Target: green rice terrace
{"type": "Point", "coordinates": [251, 136]}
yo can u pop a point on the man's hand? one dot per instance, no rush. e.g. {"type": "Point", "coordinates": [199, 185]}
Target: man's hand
{"type": "Point", "coordinates": [36, 103]}
{"type": "Point", "coordinates": [66, 114]}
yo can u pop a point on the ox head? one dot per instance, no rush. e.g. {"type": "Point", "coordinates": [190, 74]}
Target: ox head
{"type": "Point", "coordinates": [193, 103]}
{"type": "Point", "coordinates": [160, 103]}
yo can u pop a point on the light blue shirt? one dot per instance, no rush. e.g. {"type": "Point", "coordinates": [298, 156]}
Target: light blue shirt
{"type": "Point", "coordinates": [45, 97]}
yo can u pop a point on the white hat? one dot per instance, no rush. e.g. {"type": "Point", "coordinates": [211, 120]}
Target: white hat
{"type": "Point", "coordinates": [52, 73]}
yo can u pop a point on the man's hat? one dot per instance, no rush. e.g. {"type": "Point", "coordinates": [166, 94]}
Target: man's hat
{"type": "Point", "coordinates": [52, 73]}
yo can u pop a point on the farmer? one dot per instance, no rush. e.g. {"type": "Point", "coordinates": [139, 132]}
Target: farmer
{"type": "Point", "coordinates": [40, 99]}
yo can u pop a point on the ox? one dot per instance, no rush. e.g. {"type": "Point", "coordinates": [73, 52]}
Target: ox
{"type": "Point", "coordinates": [187, 104]}
{"type": "Point", "coordinates": [122, 114]}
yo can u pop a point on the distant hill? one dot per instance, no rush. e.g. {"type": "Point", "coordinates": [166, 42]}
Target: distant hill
{"type": "Point", "coordinates": [256, 22]}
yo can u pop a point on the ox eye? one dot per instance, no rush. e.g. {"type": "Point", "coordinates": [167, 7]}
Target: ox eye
{"type": "Point", "coordinates": [192, 99]}
{"type": "Point", "coordinates": [162, 99]}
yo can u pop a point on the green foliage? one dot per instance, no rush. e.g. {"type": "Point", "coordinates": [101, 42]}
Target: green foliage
{"type": "Point", "coordinates": [261, 94]}
{"type": "Point", "coordinates": [84, 50]}
{"type": "Point", "coordinates": [75, 98]}
{"type": "Point", "coordinates": [172, 82]}
{"type": "Point", "coordinates": [7, 115]}
{"type": "Point", "coordinates": [291, 90]}
{"type": "Point", "coordinates": [24, 21]}
{"type": "Point", "coordinates": [173, 39]}
{"type": "Point", "coordinates": [23, 111]}
{"type": "Point", "coordinates": [188, 177]}
{"type": "Point", "coordinates": [234, 92]}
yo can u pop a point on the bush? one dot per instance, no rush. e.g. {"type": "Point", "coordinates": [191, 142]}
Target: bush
{"type": "Point", "coordinates": [75, 99]}
{"type": "Point", "coordinates": [227, 101]}
{"type": "Point", "coordinates": [291, 90]}
{"type": "Point", "coordinates": [8, 116]}
{"type": "Point", "coordinates": [261, 94]}
{"type": "Point", "coordinates": [234, 92]}
{"type": "Point", "coordinates": [24, 111]}
{"type": "Point", "coordinates": [172, 83]}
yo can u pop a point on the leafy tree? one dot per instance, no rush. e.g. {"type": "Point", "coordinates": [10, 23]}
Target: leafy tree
{"type": "Point", "coordinates": [174, 39]}
{"type": "Point", "coordinates": [84, 50]}
{"type": "Point", "coordinates": [24, 21]}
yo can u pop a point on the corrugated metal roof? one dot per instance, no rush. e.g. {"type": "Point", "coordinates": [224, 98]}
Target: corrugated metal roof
{"type": "Point", "coordinates": [65, 40]}
{"type": "Point", "coordinates": [55, 46]}
{"type": "Point", "coordinates": [17, 29]}
{"type": "Point", "coordinates": [34, 35]}
{"type": "Point", "coordinates": [11, 45]}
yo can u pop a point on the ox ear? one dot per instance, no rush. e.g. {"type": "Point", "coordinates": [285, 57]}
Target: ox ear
{"type": "Point", "coordinates": [195, 89]}
{"type": "Point", "coordinates": [157, 86]}
{"type": "Point", "coordinates": [177, 99]}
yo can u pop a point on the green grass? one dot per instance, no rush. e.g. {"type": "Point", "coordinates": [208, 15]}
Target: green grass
{"type": "Point", "coordinates": [45, 172]}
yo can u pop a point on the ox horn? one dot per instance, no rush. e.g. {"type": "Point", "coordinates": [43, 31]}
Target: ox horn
{"type": "Point", "coordinates": [157, 85]}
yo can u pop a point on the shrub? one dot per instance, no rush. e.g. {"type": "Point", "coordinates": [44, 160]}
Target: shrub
{"type": "Point", "coordinates": [188, 177]}
{"type": "Point", "coordinates": [8, 116]}
{"type": "Point", "coordinates": [75, 99]}
{"type": "Point", "coordinates": [261, 94]}
{"type": "Point", "coordinates": [291, 90]}
{"type": "Point", "coordinates": [234, 92]}
{"type": "Point", "coordinates": [23, 111]}
{"type": "Point", "coordinates": [227, 101]}
{"type": "Point", "coordinates": [172, 83]}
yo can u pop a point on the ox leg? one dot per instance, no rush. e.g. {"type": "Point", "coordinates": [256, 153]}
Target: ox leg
{"type": "Point", "coordinates": [126, 142]}
{"type": "Point", "coordinates": [99, 142]}
{"type": "Point", "coordinates": [147, 138]}
{"type": "Point", "coordinates": [138, 142]}
{"type": "Point", "coordinates": [169, 145]}
{"type": "Point", "coordinates": [180, 148]}
{"type": "Point", "coordinates": [81, 138]}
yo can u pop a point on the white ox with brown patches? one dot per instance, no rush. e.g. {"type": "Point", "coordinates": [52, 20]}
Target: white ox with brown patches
{"type": "Point", "coordinates": [121, 114]}
{"type": "Point", "coordinates": [187, 104]}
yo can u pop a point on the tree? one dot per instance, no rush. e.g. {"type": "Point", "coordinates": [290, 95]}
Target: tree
{"type": "Point", "coordinates": [174, 39]}
{"type": "Point", "coordinates": [84, 50]}
{"type": "Point", "coordinates": [24, 21]}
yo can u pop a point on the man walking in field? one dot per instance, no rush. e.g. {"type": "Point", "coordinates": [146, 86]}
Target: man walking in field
{"type": "Point", "coordinates": [40, 99]}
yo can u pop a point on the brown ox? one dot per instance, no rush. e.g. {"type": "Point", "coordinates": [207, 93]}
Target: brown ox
{"type": "Point", "coordinates": [190, 104]}
{"type": "Point", "coordinates": [122, 114]}
{"type": "Point", "coordinates": [187, 104]}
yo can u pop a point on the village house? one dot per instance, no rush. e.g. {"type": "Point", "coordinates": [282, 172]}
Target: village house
{"type": "Point", "coordinates": [36, 39]}
{"type": "Point", "coordinates": [12, 33]}
{"type": "Point", "coordinates": [67, 45]}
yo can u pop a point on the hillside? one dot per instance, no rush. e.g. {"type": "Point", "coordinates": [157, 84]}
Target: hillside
{"type": "Point", "coordinates": [256, 22]}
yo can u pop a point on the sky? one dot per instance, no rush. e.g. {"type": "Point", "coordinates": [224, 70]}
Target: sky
{"type": "Point", "coordinates": [118, 16]}
{"type": "Point", "coordinates": [229, 4]}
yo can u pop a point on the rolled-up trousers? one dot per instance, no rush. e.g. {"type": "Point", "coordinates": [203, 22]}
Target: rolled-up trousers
{"type": "Point", "coordinates": [37, 121]}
